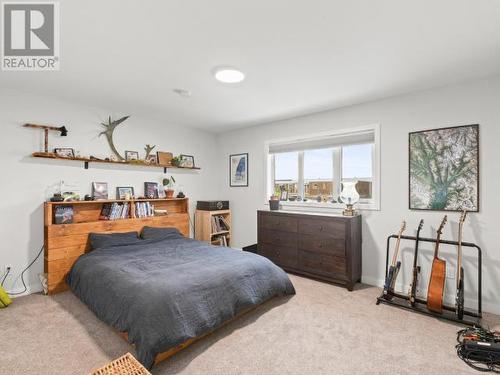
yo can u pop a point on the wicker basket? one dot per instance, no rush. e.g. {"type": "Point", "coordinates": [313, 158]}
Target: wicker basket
{"type": "Point", "coordinates": [125, 365]}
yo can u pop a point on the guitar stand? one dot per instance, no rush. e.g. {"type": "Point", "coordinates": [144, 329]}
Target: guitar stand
{"type": "Point", "coordinates": [471, 318]}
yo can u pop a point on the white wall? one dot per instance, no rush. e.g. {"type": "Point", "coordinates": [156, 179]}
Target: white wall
{"type": "Point", "coordinates": [465, 104]}
{"type": "Point", "coordinates": [25, 180]}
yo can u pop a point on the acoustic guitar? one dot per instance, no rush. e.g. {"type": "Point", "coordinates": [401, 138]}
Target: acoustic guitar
{"type": "Point", "coordinates": [438, 276]}
{"type": "Point", "coordinates": [412, 294]}
{"type": "Point", "coordinates": [390, 279]}
{"type": "Point", "coordinates": [459, 299]}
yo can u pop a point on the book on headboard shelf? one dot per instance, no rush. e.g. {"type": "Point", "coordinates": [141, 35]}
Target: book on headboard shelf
{"type": "Point", "coordinates": [63, 215]}
{"type": "Point", "coordinates": [115, 211]}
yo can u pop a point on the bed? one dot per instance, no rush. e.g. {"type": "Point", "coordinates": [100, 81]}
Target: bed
{"type": "Point", "coordinates": [165, 290]}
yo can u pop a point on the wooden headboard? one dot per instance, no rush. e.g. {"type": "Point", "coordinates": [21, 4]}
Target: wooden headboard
{"type": "Point", "coordinates": [64, 243]}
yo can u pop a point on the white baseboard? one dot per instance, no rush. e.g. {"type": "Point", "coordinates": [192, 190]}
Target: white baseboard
{"type": "Point", "coordinates": [449, 298]}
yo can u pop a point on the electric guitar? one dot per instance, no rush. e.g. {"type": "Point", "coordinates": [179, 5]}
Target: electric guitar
{"type": "Point", "coordinates": [438, 276]}
{"type": "Point", "coordinates": [390, 279]}
{"type": "Point", "coordinates": [412, 294]}
{"type": "Point", "coordinates": [459, 299]}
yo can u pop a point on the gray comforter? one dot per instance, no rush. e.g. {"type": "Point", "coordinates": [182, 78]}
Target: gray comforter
{"type": "Point", "coordinates": [164, 292]}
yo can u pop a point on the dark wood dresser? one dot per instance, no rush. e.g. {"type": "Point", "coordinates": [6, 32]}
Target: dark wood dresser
{"type": "Point", "coordinates": [325, 247]}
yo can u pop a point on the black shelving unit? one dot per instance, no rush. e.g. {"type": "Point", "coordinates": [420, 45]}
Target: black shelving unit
{"type": "Point", "coordinates": [471, 318]}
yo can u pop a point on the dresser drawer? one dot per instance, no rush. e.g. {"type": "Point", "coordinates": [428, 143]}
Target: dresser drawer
{"type": "Point", "coordinates": [322, 264]}
{"type": "Point", "coordinates": [323, 227]}
{"type": "Point", "coordinates": [281, 255]}
{"type": "Point", "coordinates": [278, 222]}
{"type": "Point", "coordinates": [277, 237]}
{"type": "Point", "coordinates": [320, 244]}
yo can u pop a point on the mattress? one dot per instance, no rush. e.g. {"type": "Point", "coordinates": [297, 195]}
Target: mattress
{"type": "Point", "coordinates": [163, 292]}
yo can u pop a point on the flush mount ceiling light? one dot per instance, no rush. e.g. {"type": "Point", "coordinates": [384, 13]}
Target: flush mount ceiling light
{"type": "Point", "coordinates": [182, 92]}
{"type": "Point", "coordinates": [227, 74]}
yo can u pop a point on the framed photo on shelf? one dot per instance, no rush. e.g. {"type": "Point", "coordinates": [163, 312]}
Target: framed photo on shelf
{"type": "Point", "coordinates": [65, 152]}
{"type": "Point", "coordinates": [124, 192]}
{"type": "Point", "coordinates": [151, 190]}
{"type": "Point", "coordinates": [100, 190]}
{"type": "Point", "coordinates": [238, 170]}
{"type": "Point", "coordinates": [164, 158]}
{"type": "Point", "coordinates": [131, 155]}
{"type": "Point", "coordinates": [284, 195]}
{"type": "Point", "coordinates": [444, 169]}
{"type": "Point", "coordinates": [187, 161]}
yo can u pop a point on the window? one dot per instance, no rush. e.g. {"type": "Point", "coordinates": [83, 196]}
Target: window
{"type": "Point", "coordinates": [318, 175]}
{"type": "Point", "coordinates": [311, 170]}
{"type": "Point", "coordinates": [357, 165]}
{"type": "Point", "coordinates": [286, 173]}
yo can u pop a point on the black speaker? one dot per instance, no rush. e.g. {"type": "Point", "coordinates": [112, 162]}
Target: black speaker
{"type": "Point", "coordinates": [212, 205]}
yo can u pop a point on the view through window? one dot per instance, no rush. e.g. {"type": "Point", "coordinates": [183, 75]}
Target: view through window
{"type": "Point", "coordinates": [316, 174]}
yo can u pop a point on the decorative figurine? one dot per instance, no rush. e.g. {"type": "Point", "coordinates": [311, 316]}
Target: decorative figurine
{"type": "Point", "coordinates": [110, 128]}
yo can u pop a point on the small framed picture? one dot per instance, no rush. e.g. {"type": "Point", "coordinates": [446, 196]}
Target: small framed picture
{"type": "Point", "coordinates": [124, 192]}
{"type": "Point", "coordinates": [151, 190]}
{"type": "Point", "coordinates": [238, 170]}
{"type": "Point", "coordinates": [152, 159]}
{"type": "Point", "coordinates": [100, 190]}
{"type": "Point", "coordinates": [164, 158]}
{"type": "Point", "coordinates": [65, 152]}
{"type": "Point", "coordinates": [284, 195]}
{"type": "Point", "coordinates": [187, 161]}
{"type": "Point", "coordinates": [131, 155]}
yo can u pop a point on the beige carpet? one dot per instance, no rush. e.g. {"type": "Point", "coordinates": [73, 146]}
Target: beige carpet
{"type": "Point", "coordinates": [324, 329]}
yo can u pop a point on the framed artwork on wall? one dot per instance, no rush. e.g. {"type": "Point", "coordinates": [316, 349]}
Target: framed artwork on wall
{"type": "Point", "coordinates": [444, 169]}
{"type": "Point", "coordinates": [238, 170]}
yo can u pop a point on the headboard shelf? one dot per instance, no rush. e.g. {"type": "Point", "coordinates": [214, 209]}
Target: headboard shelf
{"type": "Point", "coordinates": [101, 201]}
{"type": "Point", "coordinates": [90, 211]}
{"type": "Point", "coordinates": [64, 243]}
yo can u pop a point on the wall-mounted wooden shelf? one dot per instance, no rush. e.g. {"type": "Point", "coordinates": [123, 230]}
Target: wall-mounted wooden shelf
{"type": "Point", "coordinates": [87, 161]}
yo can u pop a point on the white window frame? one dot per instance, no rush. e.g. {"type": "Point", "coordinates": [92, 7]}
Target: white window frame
{"type": "Point", "coordinates": [363, 204]}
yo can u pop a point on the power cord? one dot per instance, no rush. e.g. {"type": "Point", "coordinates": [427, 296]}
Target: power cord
{"type": "Point", "coordinates": [22, 274]}
{"type": "Point", "coordinates": [482, 358]}
{"type": "Point", "coordinates": [5, 276]}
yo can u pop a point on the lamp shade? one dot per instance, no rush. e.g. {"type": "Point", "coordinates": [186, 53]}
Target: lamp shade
{"type": "Point", "coordinates": [349, 194]}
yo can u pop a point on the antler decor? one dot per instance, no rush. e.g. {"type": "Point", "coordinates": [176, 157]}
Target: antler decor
{"type": "Point", "coordinates": [148, 150]}
{"type": "Point", "coordinates": [110, 128]}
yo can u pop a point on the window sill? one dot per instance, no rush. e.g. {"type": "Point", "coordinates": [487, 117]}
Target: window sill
{"type": "Point", "coordinates": [324, 207]}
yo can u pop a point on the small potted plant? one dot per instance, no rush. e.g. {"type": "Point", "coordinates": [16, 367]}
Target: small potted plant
{"type": "Point", "coordinates": [274, 202]}
{"type": "Point", "coordinates": [176, 161]}
{"type": "Point", "coordinates": [168, 184]}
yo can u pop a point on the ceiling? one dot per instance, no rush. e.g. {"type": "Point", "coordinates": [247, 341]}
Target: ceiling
{"type": "Point", "coordinates": [299, 57]}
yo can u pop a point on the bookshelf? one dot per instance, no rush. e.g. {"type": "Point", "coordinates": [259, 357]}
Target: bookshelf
{"type": "Point", "coordinates": [65, 242]}
{"type": "Point", "coordinates": [211, 229]}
